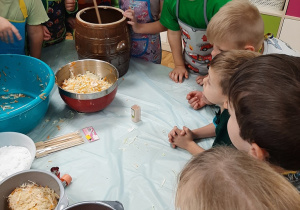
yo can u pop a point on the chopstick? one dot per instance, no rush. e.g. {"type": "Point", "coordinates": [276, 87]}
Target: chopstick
{"type": "Point", "coordinates": [58, 139]}
{"type": "Point", "coordinates": [58, 143]}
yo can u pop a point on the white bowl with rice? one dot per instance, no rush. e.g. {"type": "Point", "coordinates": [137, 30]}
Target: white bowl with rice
{"type": "Point", "coordinates": [17, 152]}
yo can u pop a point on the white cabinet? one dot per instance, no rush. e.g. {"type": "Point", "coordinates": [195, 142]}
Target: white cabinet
{"type": "Point", "coordinates": [290, 33]}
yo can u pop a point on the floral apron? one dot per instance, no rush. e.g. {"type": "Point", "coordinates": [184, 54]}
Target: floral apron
{"type": "Point", "coordinates": [18, 47]}
{"type": "Point", "coordinates": [145, 46]}
{"type": "Point", "coordinates": [56, 24]}
{"type": "Point", "coordinates": [197, 50]}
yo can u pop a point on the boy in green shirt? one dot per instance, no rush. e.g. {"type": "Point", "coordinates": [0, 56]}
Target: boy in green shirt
{"type": "Point", "coordinates": [187, 21]}
{"type": "Point", "coordinates": [215, 89]}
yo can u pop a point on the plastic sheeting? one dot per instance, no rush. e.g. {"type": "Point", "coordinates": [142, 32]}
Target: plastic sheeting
{"type": "Point", "coordinates": [132, 162]}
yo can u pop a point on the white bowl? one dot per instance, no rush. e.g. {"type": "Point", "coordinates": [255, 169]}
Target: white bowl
{"type": "Point", "coordinates": [18, 139]}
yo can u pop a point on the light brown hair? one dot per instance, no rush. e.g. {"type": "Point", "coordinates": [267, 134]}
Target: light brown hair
{"type": "Point", "coordinates": [265, 95]}
{"type": "Point", "coordinates": [225, 64]}
{"type": "Point", "coordinates": [225, 178]}
{"type": "Point", "coordinates": [238, 22]}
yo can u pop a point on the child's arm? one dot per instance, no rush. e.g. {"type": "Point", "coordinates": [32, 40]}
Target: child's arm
{"type": "Point", "coordinates": [35, 36]}
{"type": "Point", "coordinates": [179, 71]}
{"type": "Point", "coordinates": [7, 30]}
{"type": "Point", "coordinates": [143, 28]}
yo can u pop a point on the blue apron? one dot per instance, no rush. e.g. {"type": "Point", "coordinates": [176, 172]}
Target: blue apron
{"type": "Point", "coordinates": [18, 47]}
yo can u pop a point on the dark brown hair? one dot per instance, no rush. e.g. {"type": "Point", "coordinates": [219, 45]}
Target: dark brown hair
{"type": "Point", "coordinates": [265, 94]}
{"type": "Point", "coordinates": [225, 64]}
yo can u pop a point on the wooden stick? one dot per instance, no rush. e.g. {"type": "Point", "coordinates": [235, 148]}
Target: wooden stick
{"type": "Point", "coordinates": [44, 153]}
{"type": "Point", "coordinates": [59, 139]}
{"type": "Point", "coordinates": [55, 144]}
{"type": "Point", "coordinates": [97, 11]}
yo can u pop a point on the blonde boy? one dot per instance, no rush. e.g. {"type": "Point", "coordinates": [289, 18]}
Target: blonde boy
{"type": "Point", "coordinates": [225, 178]}
{"type": "Point", "coordinates": [215, 89]}
{"type": "Point", "coordinates": [238, 25]}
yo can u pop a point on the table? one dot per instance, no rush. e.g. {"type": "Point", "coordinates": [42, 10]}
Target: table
{"type": "Point", "coordinates": [132, 162]}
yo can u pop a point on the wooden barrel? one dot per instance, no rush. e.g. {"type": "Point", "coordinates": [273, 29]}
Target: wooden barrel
{"type": "Point", "coordinates": [108, 41]}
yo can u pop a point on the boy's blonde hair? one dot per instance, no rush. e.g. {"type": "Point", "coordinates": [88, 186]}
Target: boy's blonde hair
{"type": "Point", "coordinates": [225, 178]}
{"type": "Point", "coordinates": [225, 64]}
{"type": "Point", "coordinates": [238, 22]}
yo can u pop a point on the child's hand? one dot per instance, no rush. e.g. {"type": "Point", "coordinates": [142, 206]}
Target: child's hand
{"type": "Point", "coordinates": [178, 73]}
{"type": "Point", "coordinates": [70, 5]}
{"type": "Point", "coordinates": [197, 99]}
{"type": "Point", "coordinates": [132, 20]}
{"type": "Point", "coordinates": [200, 78]}
{"type": "Point", "coordinates": [173, 133]}
{"type": "Point", "coordinates": [72, 22]}
{"type": "Point", "coordinates": [47, 34]}
{"type": "Point", "coordinates": [185, 138]}
{"type": "Point", "coordinates": [7, 30]}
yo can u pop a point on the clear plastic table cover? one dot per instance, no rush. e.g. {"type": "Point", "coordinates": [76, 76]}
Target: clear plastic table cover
{"type": "Point", "coordinates": [132, 162]}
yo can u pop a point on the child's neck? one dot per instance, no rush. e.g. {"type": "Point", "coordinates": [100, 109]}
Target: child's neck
{"type": "Point", "coordinates": [221, 108]}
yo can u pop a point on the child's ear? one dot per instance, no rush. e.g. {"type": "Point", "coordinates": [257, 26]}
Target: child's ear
{"type": "Point", "coordinates": [258, 152]}
{"type": "Point", "coordinates": [249, 47]}
{"type": "Point", "coordinates": [225, 104]}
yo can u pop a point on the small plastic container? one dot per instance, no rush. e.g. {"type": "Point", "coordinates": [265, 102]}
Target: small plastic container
{"type": "Point", "coordinates": [136, 113]}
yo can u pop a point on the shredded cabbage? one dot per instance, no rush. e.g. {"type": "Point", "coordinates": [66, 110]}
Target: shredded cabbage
{"type": "Point", "coordinates": [31, 196]}
{"type": "Point", "coordinates": [85, 83]}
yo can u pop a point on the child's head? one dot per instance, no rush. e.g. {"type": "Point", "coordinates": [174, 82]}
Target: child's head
{"type": "Point", "coordinates": [222, 67]}
{"type": "Point", "coordinates": [264, 103]}
{"type": "Point", "coordinates": [225, 178]}
{"type": "Point", "coordinates": [237, 25]}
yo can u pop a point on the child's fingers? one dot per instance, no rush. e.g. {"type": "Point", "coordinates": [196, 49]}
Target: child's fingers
{"type": "Point", "coordinates": [16, 32]}
{"type": "Point", "coordinates": [186, 75]}
{"type": "Point", "coordinates": [5, 37]}
{"type": "Point", "coordinates": [180, 78]}
{"type": "Point", "coordinates": [130, 23]}
{"type": "Point", "coordinates": [173, 76]}
{"type": "Point", "coordinates": [10, 36]}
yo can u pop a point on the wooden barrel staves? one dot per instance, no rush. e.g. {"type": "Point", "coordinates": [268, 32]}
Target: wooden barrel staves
{"type": "Point", "coordinates": [108, 41]}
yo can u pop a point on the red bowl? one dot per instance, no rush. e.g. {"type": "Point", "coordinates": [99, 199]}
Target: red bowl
{"type": "Point", "coordinates": [91, 102]}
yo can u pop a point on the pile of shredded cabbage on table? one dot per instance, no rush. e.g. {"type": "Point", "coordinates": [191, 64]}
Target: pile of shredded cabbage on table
{"type": "Point", "coordinates": [32, 196]}
{"type": "Point", "coordinates": [86, 83]}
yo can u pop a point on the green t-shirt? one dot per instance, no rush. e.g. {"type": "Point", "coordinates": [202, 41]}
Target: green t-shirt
{"type": "Point", "coordinates": [222, 137]}
{"type": "Point", "coordinates": [190, 12]}
{"type": "Point", "coordinates": [36, 13]}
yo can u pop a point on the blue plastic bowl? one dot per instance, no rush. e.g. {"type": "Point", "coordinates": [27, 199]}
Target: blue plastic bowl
{"type": "Point", "coordinates": [25, 86]}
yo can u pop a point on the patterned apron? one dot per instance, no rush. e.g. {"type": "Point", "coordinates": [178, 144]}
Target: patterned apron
{"type": "Point", "coordinates": [56, 24]}
{"type": "Point", "coordinates": [145, 46]}
{"type": "Point", "coordinates": [197, 50]}
{"type": "Point", "coordinates": [18, 47]}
